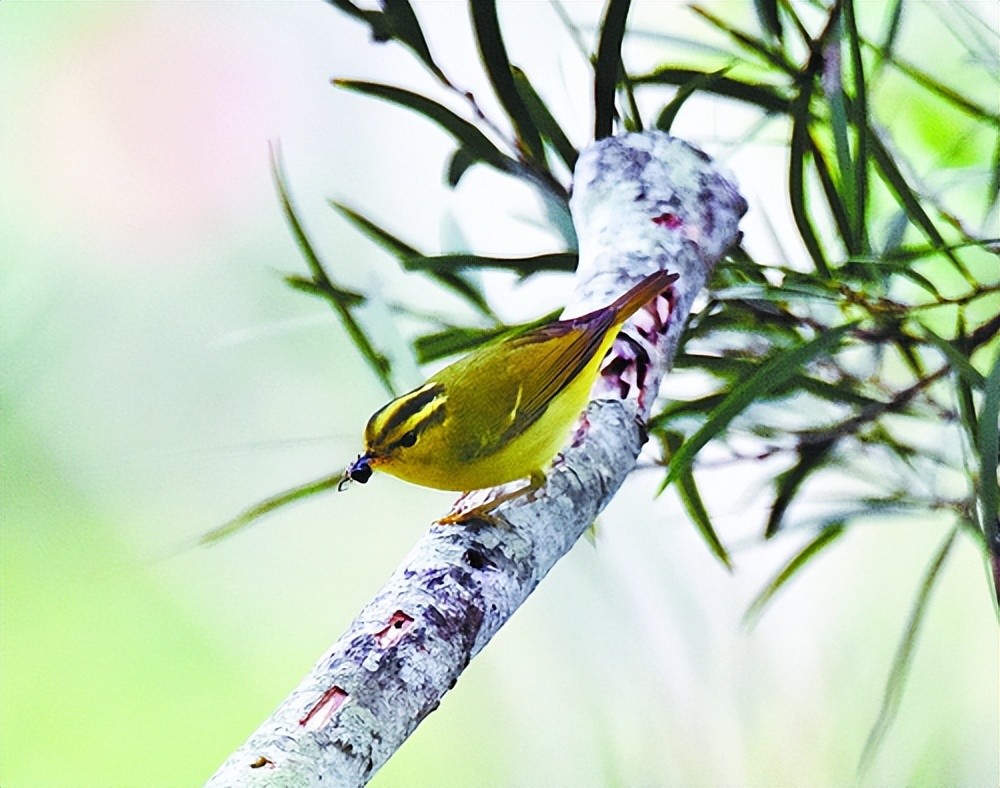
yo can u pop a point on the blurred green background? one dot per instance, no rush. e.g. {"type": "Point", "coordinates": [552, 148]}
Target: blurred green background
{"type": "Point", "coordinates": [157, 377]}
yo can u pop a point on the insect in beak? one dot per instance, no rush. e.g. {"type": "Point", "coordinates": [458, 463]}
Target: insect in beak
{"type": "Point", "coordinates": [358, 471]}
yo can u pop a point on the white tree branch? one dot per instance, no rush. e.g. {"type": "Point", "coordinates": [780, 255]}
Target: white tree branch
{"type": "Point", "coordinates": [641, 202]}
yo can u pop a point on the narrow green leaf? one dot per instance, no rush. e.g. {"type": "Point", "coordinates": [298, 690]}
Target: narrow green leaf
{"type": "Point", "coordinates": [827, 536]}
{"type": "Point", "coordinates": [665, 120]}
{"type": "Point", "coordinates": [269, 505]}
{"type": "Point", "coordinates": [893, 692]}
{"type": "Point", "coordinates": [767, 378]}
{"type": "Point", "coordinates": [885, 51]}
{"type": "Point", "coordinates": [872, 270]}
{"type": "Point", "coordinates": [376, 360]}
{"type": "Point", "coordinates": [606, 68]}
{"type": "Point", "coordinates": [468, 136]}
{"type": "Point", "coordinates": [943, 91]}
{"type": "Point", "coordinates": [770, 54]}
{"type": "Point", "coordinates": [984, 334]}
{"type": "Point", "coordinates": [812, 456]}
{"type": "Point", "coordinates": [451, 341]}
{"type": "Point", "coordinates": [684, 408]}
{"type": "Point", "coordinates": [989, 453]}
{"type": "Point", "coordinates": [632, 119]}
{"type": "Point", "coordinates": [301, 239]}
{"type": "Point", "coordinates": [796, 179]}
{"type": "Point", "coordinates": [958, 360]}
{"type": "Point", "coordinates": [547, 125]}
{"type": "Point", "coordinates": [834, 392]}
{"type": "Point", "coordinates": [406, 254]}
{"type": "Point", "coordinates": [781, 295]}
{"type": "Point", "coordinates": [967, 412]}
{"type": "Point", "coordinates": [839, 209]}
{"type": "Point", "coordinates": [726, 367]}
{"type": "Point", "coordinates": [525, 266]}
{"type": "Point", "coordinates": [462, 287]}
{"type": "Point", "coordinates": [493, 54]}
{"type": "Point", "coordinates": [738, 257]}
{"type": "Point", "coordinates": [769, 98]}
{"type": "Point", "coordinates": [910, 203]}
{"type": "Point", "coordinates": [460, 339]}
{"type": "Point", "coordinates": [905, 346]}
{"type": "Point", "coordinates": [751, 318]}
{"type": "Point", "coordinates": [768, 17]}
{"type": "Point", "coordinates": [687, 491]}
{"type": "Point", "coordinates": [406, 29]}
{"type": "Point", "coordinates": [337, 295]}
{"type": "Point", "coordinates": [833, 87]}
{"type": "Point", "coordinates": [895, 231]}
{"type": "Point", "coordinates": [800, 28]}
{"type": "Point", "coordinates": [396, 21]}
{"type": "Point", "coordinates": [460, 162]}
{"type": "Point", "coordinates": [911, 253]}
{"type": "Point", "coordinates": [993, 188]}
{"type": "Point", "coordinates": [859, 117]}
{"type": "Point", "coordinates": [382, 237]}
{"type": "Point", "coordinates": [378, 22]}
{"type": "Point", "coordinates": [306, 285]}
{"type": "Point", "coordinates": [731, 370]}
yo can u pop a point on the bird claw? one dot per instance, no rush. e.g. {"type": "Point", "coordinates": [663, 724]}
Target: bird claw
{"type": "Point", "coordinates": [482, 512]}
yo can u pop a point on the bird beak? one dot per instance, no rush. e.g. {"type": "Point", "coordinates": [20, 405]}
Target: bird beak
{"type": "Point", "coordinates": [358, 471]}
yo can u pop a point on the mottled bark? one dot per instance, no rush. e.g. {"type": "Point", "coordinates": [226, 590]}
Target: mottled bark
{"type": "Point", "coordinates": [640, 202]}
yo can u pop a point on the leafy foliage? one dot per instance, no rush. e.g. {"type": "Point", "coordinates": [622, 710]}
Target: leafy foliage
{"type": "Point", "coordinates": [893, 310]}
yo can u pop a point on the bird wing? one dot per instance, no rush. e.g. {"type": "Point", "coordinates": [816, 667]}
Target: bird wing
{"type": "Point", "coordinates": [555, 354]}
{"type": "Point", "coordinates": [497, 406]}
{"type": "Point", "coordinates": [569, 347]}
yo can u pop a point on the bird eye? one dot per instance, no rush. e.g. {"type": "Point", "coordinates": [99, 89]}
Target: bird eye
{"type": "Point", "coordinates": [409, 439]}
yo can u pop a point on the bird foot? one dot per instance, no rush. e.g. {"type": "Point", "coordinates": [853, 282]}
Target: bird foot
{"type": "Point", "coordinates": [459, 515]}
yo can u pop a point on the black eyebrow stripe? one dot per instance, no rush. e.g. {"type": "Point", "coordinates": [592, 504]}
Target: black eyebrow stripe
{"type": "Point", "coordinates": [406, 408]}
{"type": "Point", "coordinates": [436, 416]}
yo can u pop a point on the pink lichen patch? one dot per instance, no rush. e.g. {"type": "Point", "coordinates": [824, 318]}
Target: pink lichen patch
{"type": "Point", "coordinates": [398, 624]}
{"type": "Point", "coordinates": [652, 321]}
{"type": "Point", "coordinates": [320, 714]}
{"type": "Point", "coordinates": [664, 307]}
{"type": "Point", "coordinates": [669, 220]}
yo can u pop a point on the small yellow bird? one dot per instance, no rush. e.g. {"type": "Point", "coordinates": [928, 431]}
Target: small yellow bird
{"type": "Point", "coordinates": [497, 415]}
{"type": "Point", "coordinates": [502, 412]}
